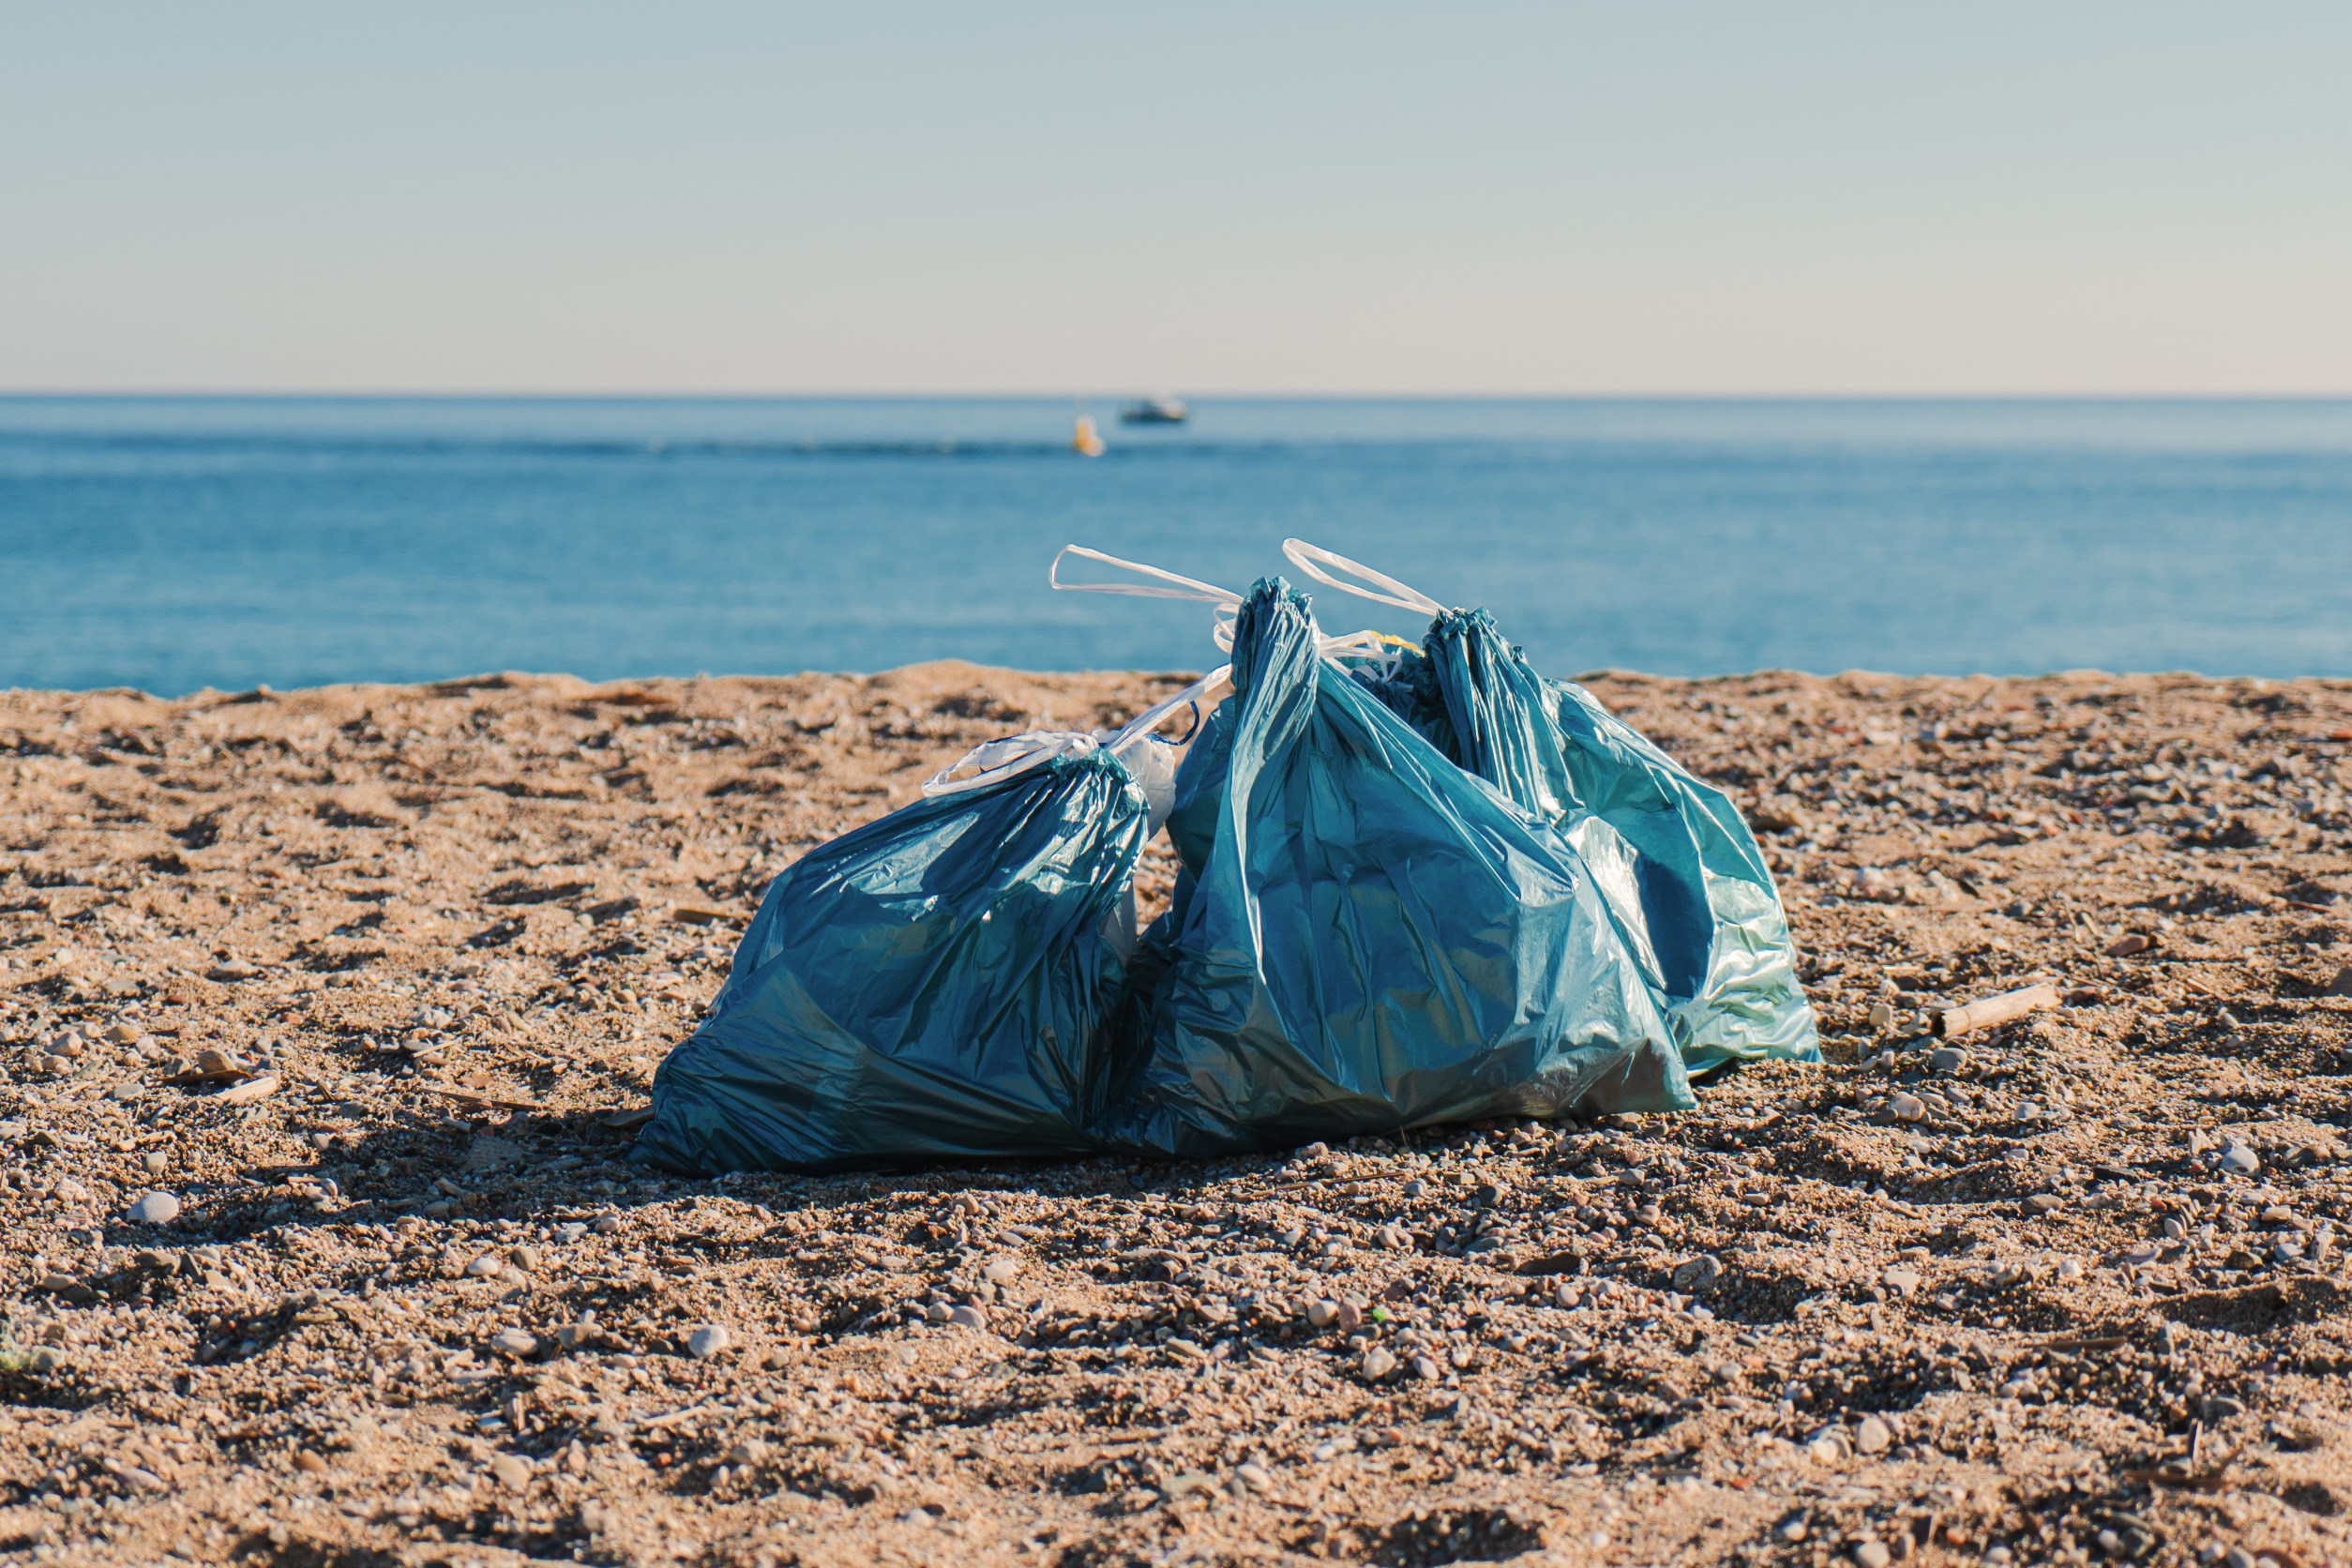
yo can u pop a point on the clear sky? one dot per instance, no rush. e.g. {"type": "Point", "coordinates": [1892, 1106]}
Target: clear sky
{"type": "Point", "coordinates": [1671, 196]}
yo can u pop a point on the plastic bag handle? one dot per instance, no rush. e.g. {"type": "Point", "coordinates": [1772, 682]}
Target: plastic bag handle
{"type": "Point", "coordinates": [1149, 720]}
{"type": "Point", "coordinates": [1312, 558]}
{"type": "Point", "coordinates": [1047, 748]}
{"type": "Point", "coordinates": [1186, 587]}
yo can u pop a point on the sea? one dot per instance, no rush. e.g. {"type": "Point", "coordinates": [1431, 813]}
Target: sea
{"type": "Point", "coordinates": [172, 544]}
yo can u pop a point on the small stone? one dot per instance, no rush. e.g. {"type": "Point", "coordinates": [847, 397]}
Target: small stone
{"type": "Point", "coordinates": [608, 1225]}
{"type": "Point", "coordinates": [154, 1208]}
{"type": "Point", "coordinates": [1824, 1450]}
{"type": "Point", "coordinates": [2240, 1160]}
{"type": "Point", "coordinates": [1872, 1436]}
{"type": "Point", "coordinates": [2130, 944]}
{"type": "Point", "coordinates": [2045, 1202]}
{"type": "Point", "coordinates": [1698, 1275]}
{"type": "Point", "coordinates": [1255, 1477]}
{"type": "Point", "coordinates": [1487, 1195]}
{"type": "Point", "coordinates": [489, 1266]}
{"type": "Point", "coordinates": [2341, 984]}
{"type": "Point", "coordinates": [157, 1162]}
{"type": "Point", "coordinates": [1002, 1271]}
{"type": "Point", "coordinates": [1427, 1370]}
{"type": "Point", "coordinates": [513, 1471]}
{"type": "Point", "coordinates": [493, 1153]}
{"type": "Point", "coordinates": [711, 1338]}
{"type": "Point", "coordinates": [124, 1093]}
{"type": "Point", "coordinates": [1791, 1530]}
{"type": "Point", "coordinates": [145, 1480]}
{"type": "Point", "coordinates": [967, 1316]}
{"type": "Point", "coordinates": [1314, 1151]}
{"type": "Point", "coordinates": [1881, 1018]}
{"type": "Point", "coordinates": [1946, 1059]}
{"type": "Point", "coordinates": [1322, 1314]}
{"type": "Point", "coordinates": [1900, 1280]}
{"type": "Point", "coordinates": [1872, 1553]}
{"type": "Point", "coordinates": [1350, 1315]}
{"type": "Point", "coordinates": [1376, 1363]}
{"type": "Point", "coordinates": [514, 1342]}
{"type": "Point", "coordinates": [1907, 1108]}
{"type": "Point", "coordinates": [309, 1462]}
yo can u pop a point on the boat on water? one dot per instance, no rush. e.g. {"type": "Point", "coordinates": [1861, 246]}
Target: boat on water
{"type": "Point", "coordinates": [1155, 411]}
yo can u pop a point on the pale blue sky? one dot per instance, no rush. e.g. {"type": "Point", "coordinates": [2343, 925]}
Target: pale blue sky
{"type": "Point", "coordinates": [1625, 198]}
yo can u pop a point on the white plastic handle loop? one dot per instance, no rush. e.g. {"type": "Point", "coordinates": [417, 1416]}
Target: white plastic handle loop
{"type": "Point", "coordinates": [1151, 717]}
{"type": "Point", "coordinates": [1312, 559]}
{"type": "Point", "coordinates": [1184, 587]}
{"type": "Point", "coordinates": [994, 762]}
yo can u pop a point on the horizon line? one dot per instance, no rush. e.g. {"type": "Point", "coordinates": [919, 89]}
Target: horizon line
{"type": "Point", "coordinates": [615, 394]}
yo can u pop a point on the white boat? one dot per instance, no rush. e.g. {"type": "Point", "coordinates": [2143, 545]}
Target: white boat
{"type": "Point", "coordinates": [1155, 411]}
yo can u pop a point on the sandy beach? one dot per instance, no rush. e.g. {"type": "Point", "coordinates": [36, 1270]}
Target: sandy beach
{"type": "Point", "coordinates": [326, 1015]}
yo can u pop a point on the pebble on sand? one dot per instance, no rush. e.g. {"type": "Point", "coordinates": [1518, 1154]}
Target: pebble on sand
{"type": "Point", "coordinates": [708, 1341]}
{"type": "Point", "coordinates": [514, 1342]}
{"type": "Point", "coordinates": [1698, 1275]}
{"type": "Point", "coordinates": [154, 1208]}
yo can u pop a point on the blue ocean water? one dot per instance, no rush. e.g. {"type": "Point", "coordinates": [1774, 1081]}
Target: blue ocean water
{"type": "Point", "coordinates": [174, 543]}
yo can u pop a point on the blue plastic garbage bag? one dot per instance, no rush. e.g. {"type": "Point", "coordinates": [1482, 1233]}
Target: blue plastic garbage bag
{"type": "Point", "coordinates": [1365, 937]}
{"type": "Point", "coordinates": [934, 985]}
{"type": "Point", "coordinates": [1681, 869]}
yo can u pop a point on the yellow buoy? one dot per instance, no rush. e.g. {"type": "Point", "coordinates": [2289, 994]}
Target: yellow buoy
{"type": "Point", "coordinates": [1088, 441]}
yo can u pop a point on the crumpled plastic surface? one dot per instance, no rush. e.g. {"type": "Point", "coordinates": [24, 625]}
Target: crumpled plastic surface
{"type": "Point", "coordinates": [1682, 873]}
{"type": "Point", "coordinates": [1365, 937]}
{"type": "Point", "coordinates": [935, 985]}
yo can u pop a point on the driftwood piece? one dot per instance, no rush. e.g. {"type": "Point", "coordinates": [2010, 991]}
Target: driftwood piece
{"type": "Point", "coordinates": [1995, 1009]}
{"type": "Point", "coordinates": [252, 1089]}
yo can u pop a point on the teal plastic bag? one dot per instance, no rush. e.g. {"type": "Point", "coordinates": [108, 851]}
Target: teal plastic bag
{"type": "Point", "coordinates": [1365, 938]}
{"type": "Point", "coordinates": [1682, 873]}
{"type": "Point", "coordinates": [935, 985]}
